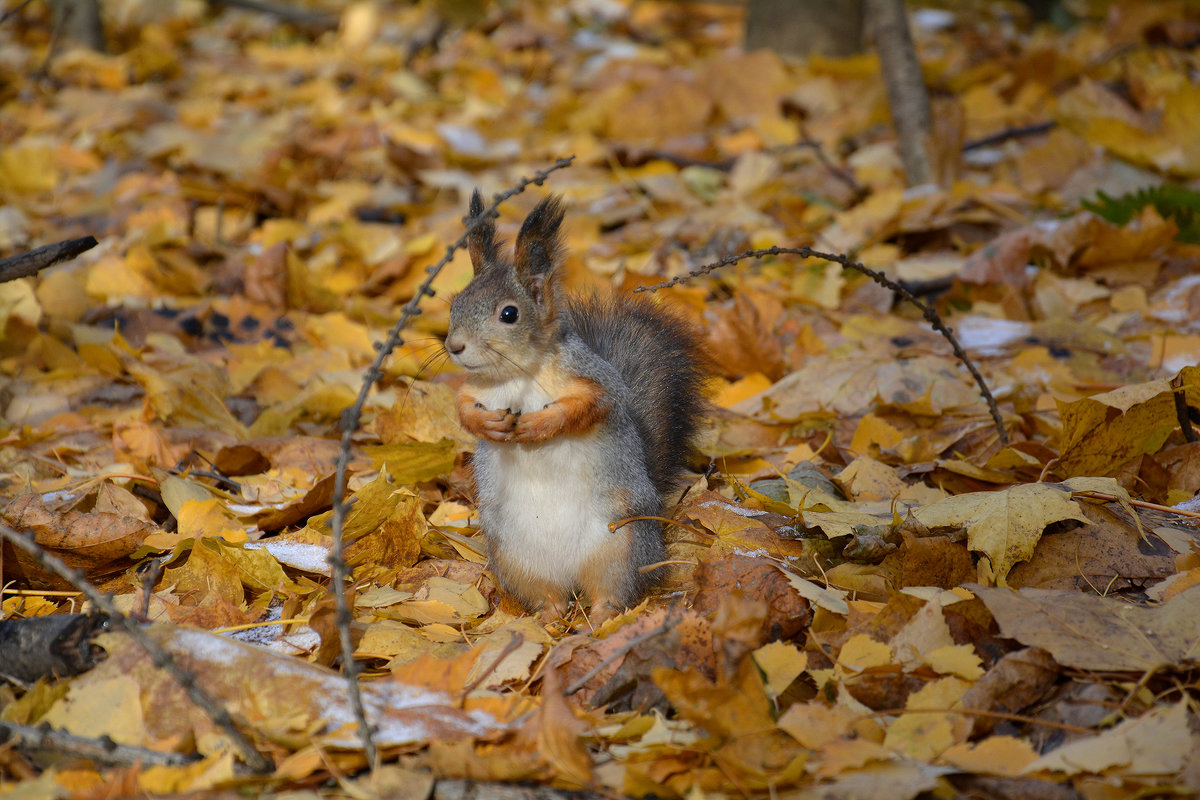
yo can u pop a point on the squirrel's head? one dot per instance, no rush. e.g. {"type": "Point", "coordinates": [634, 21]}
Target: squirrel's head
{"type": "Point", "coordinates": [505, 320]}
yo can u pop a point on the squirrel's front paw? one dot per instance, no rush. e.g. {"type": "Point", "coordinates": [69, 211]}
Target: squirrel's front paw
{"type": "Point", "coordinates": [538, 426]}
{"type": "Point", "coordinates": [493, 424]}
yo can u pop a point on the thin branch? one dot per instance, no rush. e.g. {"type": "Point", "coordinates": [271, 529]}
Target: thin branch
{"type": "Point", "coordinates": [34, 261]}
{"type": "Point", "coordinates": [1110, 498]}
{"type": "Point", "coordinates": [931, 316]}
{"type": "Point", "coordinates": [98, 751]}
{"type": "Point", "coordinates": [513, 644]}
{"type": "Point", "coordinates": [841, 173]}
{"type": "Point", "coordinates": [19, 6]}
{"type": "Point", "coordinates": [618, 653]}
{"type": "Point", "coordinates": [1008, 133]}
{"type": "Point", "coordinates": [159, 656]}
{"type": "Point", "coordinates": [349, 423]}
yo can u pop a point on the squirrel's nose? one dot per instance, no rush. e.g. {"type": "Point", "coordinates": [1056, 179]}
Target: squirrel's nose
{"type": "Point", "coordinates": [455, 346]}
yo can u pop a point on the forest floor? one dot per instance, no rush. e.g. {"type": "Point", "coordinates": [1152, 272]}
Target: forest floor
{"type": "Point", "coordinates": [871, 594]}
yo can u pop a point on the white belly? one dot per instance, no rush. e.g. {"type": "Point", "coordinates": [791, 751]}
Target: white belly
{"type": "Point", "coordinates": [540, 505]}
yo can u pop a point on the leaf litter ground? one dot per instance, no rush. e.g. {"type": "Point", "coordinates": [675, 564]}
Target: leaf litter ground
{"type": "Point", "coordinates": [869, 596]}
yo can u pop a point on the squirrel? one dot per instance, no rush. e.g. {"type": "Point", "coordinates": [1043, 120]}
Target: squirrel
{"type": "Point", "coordinates": [584, 409]}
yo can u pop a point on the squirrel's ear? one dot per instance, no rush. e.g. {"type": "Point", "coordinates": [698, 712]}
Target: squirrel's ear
{"type": "Point", "coordinates": [481, 242]}
{"type": "Point", "coordinates": [539, 244]}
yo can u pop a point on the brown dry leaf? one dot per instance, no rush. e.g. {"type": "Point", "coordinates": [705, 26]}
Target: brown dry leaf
{"type": "Point", "coordinates": [1098, 633]}
{"type": "Point", "coordinates": [314, 501]}
{"type": "Point", "coordinates": [926, 385]}
{"type": "Point", "coordinates": [88, 541]}
{"type": "Point", "coordinates": [396, 543]}
{"type": "Point", "coordinates": [508, 653]}
{"type": "Point", "coordinates": [560, 736]}
{"type": "Point", "coordinates": [1106, 553]}
{"type": "Point", "coordinates": [787, 613]}
{"type": "Point", "coordinates": [733, 527]}
{"type": "Point", "coordinates": [683, 643]}
{"type": "Point", "coordinates": [1015, 682]}
{"type": "Point", "coordinates": [742, 337]}
{"type": "Point", "coordinates": [206, 576]}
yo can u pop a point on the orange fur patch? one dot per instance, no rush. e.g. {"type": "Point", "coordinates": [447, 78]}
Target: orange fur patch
{"type": "Point", "coordinates": [575, 411]}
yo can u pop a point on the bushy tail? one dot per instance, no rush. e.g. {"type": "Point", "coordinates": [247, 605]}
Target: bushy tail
{"type": "Point", "coordinates": [658, 356]}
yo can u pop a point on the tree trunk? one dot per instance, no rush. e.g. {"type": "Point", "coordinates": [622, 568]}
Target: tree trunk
{"type": "Point", "coordinates": [77, 22]}
{"type": "Point", "coordinates": [805, 27]}
{"type": "Point", "coordinates": [905, 86]}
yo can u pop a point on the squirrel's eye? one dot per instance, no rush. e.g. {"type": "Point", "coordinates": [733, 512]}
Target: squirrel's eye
{"type": "Point", "coordinates": [508, 315]}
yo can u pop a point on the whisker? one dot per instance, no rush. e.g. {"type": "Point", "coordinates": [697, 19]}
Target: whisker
{"type": "Point", "coordinates": [488, 344]}
{"type": "Point", "coordinates": [424, 365]}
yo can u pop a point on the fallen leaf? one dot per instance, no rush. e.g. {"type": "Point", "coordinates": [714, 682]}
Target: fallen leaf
{"type": "Point", "coordinates": [1098, 633]}
{"type": "Point", "coordinates": [1005, 525]}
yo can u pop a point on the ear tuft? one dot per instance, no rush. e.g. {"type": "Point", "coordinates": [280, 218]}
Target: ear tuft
{"type": "Point", "coordinates": [481, 242]}
{"type": "Point", "coordinates": [539, 244]}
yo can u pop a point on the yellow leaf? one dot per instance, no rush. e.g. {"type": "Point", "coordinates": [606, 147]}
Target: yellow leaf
{"type": "Point", "coordinates": [781, 664]}
{"type": "Point", "coordinates": [742, 389]}
{"type": "Point", "coordinates": [815, 724]}
{"type": "Point", "coordinates": [17, 301]}
{"type": "Point", "coordinates": [111, 707]}
{"type": "Point", "coordinates": [197, 776]}
{"type": "Point", "coordinates": [206, 576]}
{"type": "Point", "coordinates": [1167, 143]}
{"type": "Point", "coordinates": [27, 167]}
{"type": "Point", "coordinates": [1106, 430]}
{"type": "Point", "coordinates": [862, 652]}
{"type": "Point", "coordinates": [846, 755]}
{"type": "Point", "coordinates": [960, 660]}
{"type": "Point", "coordinates": [920, 736]}
{"type": "Point", "coordinates": [208, 518]}
{"type": "Point", "coordinates": [867, 479]}
{"type": "Point", "coordinates": [1006, 756]}
{"type": "Point", "coordinates": [873, 434]}
{"type": "Point", "coordinates": [413, 462]}
{"type": "Point", "coordinates": [941, 693]}
{"type": "Point", "coordinates": [258, 569]}
{"type": "Point", "coordinates": [1005, 525]}
{"type": "Point", "coordinates": [114, 277]}
{"type": "Point", "coordinates": [335, 329]}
